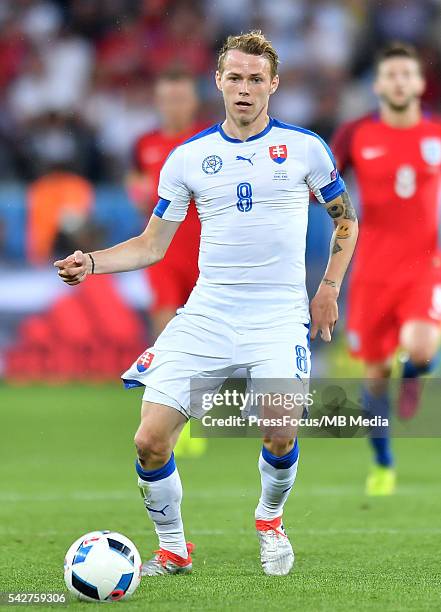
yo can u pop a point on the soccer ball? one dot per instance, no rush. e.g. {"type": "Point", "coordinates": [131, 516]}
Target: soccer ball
{"type": "Point", "coordinates": [102, 566]}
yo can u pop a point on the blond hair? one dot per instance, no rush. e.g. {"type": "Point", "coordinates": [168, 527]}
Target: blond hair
{"type": "Point", "coordinates": [253, 43]}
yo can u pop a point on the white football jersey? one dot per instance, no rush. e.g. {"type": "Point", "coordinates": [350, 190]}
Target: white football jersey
{"type": "Point", "coordinates": [252, 199]}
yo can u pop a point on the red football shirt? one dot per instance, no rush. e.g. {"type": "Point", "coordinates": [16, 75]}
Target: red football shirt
{"type": "Point", "coordinates": [398, 171]}
{"type": "Point", "coordinates": [151, 151]}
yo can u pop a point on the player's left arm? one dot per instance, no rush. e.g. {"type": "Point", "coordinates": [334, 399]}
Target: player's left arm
{"type": "Point", "coordinates": [324, 308]}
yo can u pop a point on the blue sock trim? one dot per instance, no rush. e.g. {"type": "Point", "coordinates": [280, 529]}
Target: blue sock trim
{"type": "Point", "coordinates": [282, 463]}
{"type": "Point", "coordinates": [378, 406]}
{"type": "Point", "coordinates": [411, 370]}
{"type": "Point", "coordinates": [160, 473]}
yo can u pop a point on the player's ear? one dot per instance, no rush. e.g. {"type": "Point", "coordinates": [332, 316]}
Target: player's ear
{"type": "Point", "coordinates": [218, 80]}
{"type": "Point", "coordinates": [274, 84]}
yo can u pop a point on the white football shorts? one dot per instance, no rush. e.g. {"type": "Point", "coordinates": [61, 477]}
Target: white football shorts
{"type": "Point", "coordinates": [196, 354]}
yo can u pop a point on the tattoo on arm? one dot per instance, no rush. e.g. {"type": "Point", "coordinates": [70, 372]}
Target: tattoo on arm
{"type": "Point", "coordinates": [349, 209]}
{"type": "Point", "coordinates": [335, 210]}
{"type": "Point", "coordinates": [336, 248]}
{"type": "Point", "coordinates": [344, 215]}
{"type": "Point", "coordinates": [342, 230]}
{"type": "Point", "coordinates": [331, 283]}
{"type": "Point", "coordinates": [342, 209]}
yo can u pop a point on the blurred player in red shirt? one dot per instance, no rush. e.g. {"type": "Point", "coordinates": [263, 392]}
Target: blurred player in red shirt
{"type": "Point", "coordinates": [173, 278]}
{"type": "Point", "coordinates": [395, 287]}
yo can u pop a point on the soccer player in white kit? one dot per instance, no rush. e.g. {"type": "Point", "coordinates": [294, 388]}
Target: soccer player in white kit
{"type": "Point", "coordinates": [251, 177]}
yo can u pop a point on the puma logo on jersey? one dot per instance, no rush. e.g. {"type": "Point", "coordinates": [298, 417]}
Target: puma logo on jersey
{"type": "Point", "coordinates": [248, 159]}
{"type": "Point", "coordinates": [372, 152]}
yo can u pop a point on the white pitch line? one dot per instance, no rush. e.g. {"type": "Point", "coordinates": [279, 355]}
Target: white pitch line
{"type": "Point", "coordinates": [13, 497]}
{"type": "Point", "coordinates": [221, 532]}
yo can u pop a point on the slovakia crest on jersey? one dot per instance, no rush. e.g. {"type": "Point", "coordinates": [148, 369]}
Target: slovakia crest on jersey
{"type": "Point", "coordinates": [278, 153]}
{"type": "Point", "coordinates": [431, 150]}
{"type": "Point", "coordinates": [144, 361]}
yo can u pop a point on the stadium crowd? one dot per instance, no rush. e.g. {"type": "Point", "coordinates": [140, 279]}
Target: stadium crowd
{"type": "Point", "coordinates": [77, 91]}
{"type": "Point", "coordinates": [76, 75]}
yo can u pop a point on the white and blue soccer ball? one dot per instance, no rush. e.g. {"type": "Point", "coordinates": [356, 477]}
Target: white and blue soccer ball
{"type": "Point", "coordinates": [102, 566]}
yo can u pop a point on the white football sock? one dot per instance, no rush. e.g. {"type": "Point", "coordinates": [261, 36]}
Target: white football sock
{"type": "Point", "coordinates": [162, 493]}
{"type": "Point", "coordinates": [277, 475]}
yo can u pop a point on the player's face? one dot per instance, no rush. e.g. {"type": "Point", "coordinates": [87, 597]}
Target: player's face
{"type": "Point", "coordinates": [176, 102]}
{"type": "Point", "coordinates": [246, 85]}
{"type": "Point", "coordinates": [399, 82]}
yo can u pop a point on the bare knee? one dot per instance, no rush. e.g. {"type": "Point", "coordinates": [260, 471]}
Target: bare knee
{"type": "Point", "coordinates": [420, 340]}
{"type": "Point", "coordinates": [279, 446]}
{"type": "Point", "coordinates": [157, 434]}
{"type": "Point", "coordinates": [421, 355]}
{"type": "Point", "coordinates": [153, 450]}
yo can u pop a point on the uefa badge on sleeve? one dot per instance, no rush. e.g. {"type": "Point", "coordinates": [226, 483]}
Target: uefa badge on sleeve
{"type": "Point", "coordinates": [278, 153]}
{"type": "Point", "coordinates": [144, 361]}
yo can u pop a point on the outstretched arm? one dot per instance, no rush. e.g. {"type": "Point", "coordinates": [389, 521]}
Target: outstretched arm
{"type": "Point", "coordinates": [324, 309]}
{"type": "Point", "coordinates": [139, 252]}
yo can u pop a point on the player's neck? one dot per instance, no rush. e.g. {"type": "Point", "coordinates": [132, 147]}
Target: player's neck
{"type": "Point", "coordinates": [401, 119]}
{"type": "Point", "coordinates": [243, 132]}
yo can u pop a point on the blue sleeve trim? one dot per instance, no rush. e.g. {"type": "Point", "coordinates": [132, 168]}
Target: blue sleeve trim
{"type": "Point", "coordinates": [161, 207]}
{"type": "Point", "coordinates": [160, 473]}
{"type": "Point", "coordinates": [334, 189]}
{"type": "Point", "coordinates": [285, 462]}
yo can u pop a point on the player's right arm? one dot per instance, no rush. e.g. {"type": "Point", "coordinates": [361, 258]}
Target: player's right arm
{"type": "Point", "coordinates": [138, 252]}
{"type": "Point", "coordinates": [147, 248]}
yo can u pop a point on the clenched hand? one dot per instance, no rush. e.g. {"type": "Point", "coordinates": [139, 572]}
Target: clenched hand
{"type": "Point", "coordinates": [74, 268]}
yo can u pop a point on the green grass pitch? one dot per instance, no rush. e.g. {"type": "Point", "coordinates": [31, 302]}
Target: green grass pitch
{"type": "Point", "coordinates": [66, 467]}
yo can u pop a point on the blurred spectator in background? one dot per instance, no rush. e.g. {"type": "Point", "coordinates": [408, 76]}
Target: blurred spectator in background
{"type": "Point", "coordinates": [119, 114]}
{"type": "Point", "coordinates": [183, 38]}
{"type": "Point", "coordinates": [59, 208]}
{"type": "Point", "coordinates": [54, 138]}
{"type": "Point", "coordinates": [77, 89]}
{"type": "Point", "coordinates": [174, 277]}
{"type": "Point", "coordinates": [13, 49]}
{"type": "Point", "coordinates": [54, 76]}
{"type": "Point", "coordinates": [94, 61]}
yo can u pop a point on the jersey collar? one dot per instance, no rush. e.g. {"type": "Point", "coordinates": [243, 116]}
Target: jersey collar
{"type": "Point", "coordinates": [255, 137]}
